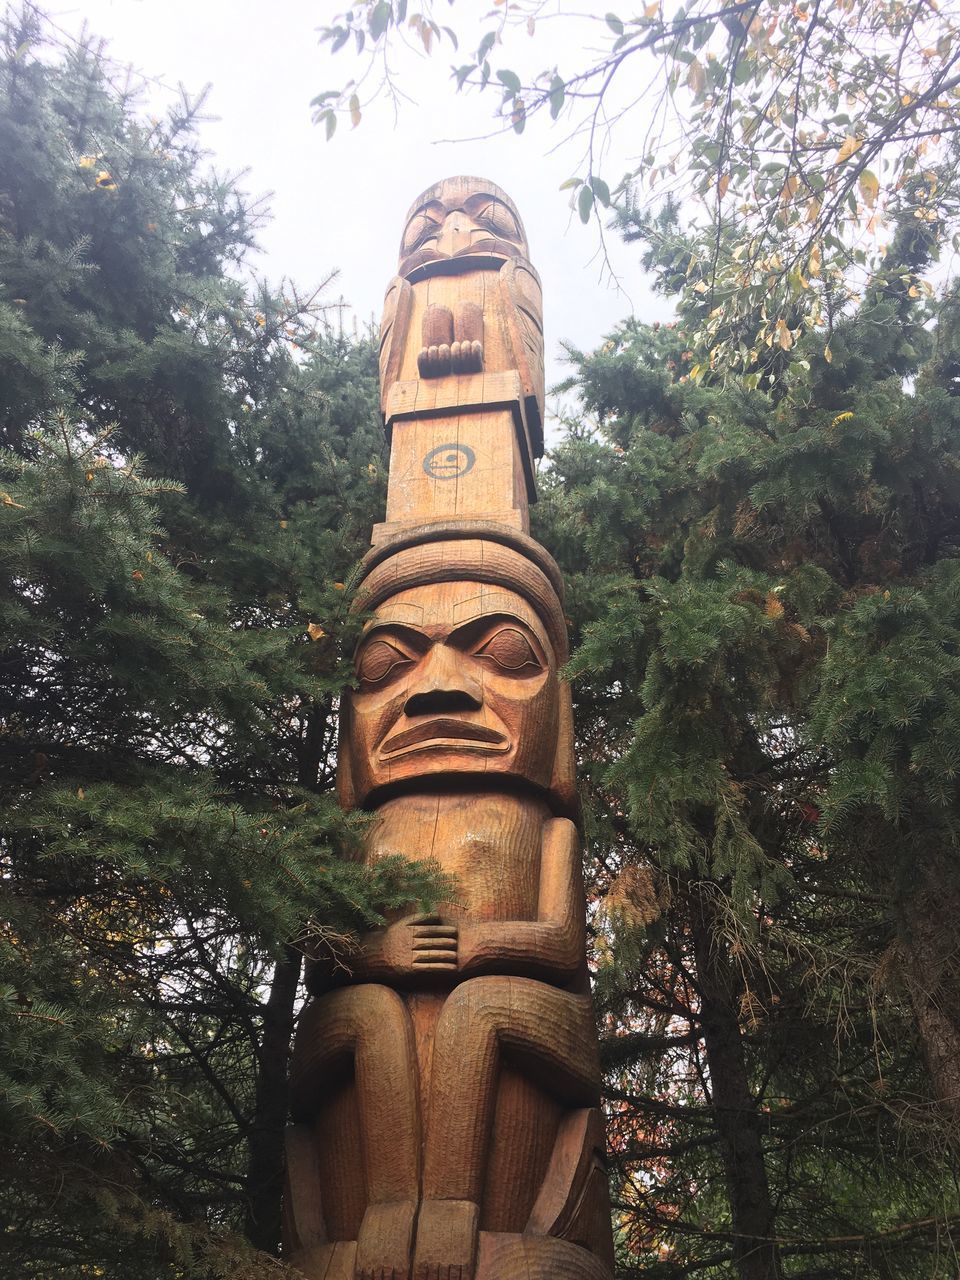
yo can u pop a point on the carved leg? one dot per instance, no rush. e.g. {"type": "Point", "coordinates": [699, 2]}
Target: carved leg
{"type": "Point", "coordinates": [466, 353]}
{"type": "Point", "coordinates": [434, 357]}
{"type": "Point", "coordinates": [369, 1024]}
{"type": "Point", "coordinates": [551, 1036]}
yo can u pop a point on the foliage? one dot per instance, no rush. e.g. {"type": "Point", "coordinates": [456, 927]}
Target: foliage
{"type": "Point", "coordinates": [764, 584]}
{"type": "Point", "coordinates": [171, 657]}
{"type": "Point", "coordinates": [800, 133]}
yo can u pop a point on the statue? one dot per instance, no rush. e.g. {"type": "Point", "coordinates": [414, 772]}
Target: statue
{"type": "Point", "coordinates": [445, 1091]}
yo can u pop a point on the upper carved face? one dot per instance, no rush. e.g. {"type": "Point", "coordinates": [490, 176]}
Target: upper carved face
{"type": "Point", "coordinates": [458, 219]}
{"type": "Point", "coordinates": [453, 678]}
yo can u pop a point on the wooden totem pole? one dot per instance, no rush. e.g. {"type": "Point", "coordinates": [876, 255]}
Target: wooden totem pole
{"type": "Point", "coordinates": [445, 1091]}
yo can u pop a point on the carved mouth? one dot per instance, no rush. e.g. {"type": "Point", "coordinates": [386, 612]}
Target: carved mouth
{"type": "Point", "coordinates": [445, 733]}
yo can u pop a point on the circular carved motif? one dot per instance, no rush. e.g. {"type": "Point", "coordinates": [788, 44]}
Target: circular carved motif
{"type": "Point", "coordinates": [449, 461]}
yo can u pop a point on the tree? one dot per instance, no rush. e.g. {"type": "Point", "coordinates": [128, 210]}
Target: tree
{"type": "Point", "coordinates": [763, 582]}
{"type": "Point", "coordinates": [191, 467]}
{"type": "Point", "coordinates": [800, 134]}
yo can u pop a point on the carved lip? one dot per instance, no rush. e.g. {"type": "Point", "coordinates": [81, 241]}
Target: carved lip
{"type": "Point", "coordinates": [490, 249]}
{"type": "Point", "coordinates": [445, 732]}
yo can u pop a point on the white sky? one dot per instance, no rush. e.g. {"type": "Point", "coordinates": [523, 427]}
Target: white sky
{"type": "Point", "coordinates": [341, 204]}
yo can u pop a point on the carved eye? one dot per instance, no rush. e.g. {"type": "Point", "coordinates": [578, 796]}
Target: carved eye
{"type": "Point", "coordinates": [421, 227]}
{"type": "Point", "coordinates": [510, 650]}
{"type": "Point", "coordinates": [499, 219]}
{"type": "Point", "coordinates": [378, 659]}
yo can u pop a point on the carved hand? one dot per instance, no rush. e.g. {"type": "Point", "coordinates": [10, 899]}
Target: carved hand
{"type": "Point", "coordinates": [417, 944]}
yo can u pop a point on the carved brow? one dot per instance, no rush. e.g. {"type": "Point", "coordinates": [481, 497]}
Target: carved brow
{"type": "Point", "coordinates": [465, 632]}
{"type": "Point", "coordinates": [401, 631]}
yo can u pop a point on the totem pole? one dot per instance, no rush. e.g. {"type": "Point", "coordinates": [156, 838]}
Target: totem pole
{"type": "Point", "coordinates": [445, 1105]}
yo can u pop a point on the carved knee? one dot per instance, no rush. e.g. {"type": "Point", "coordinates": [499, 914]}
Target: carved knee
{"type": "Point", "coordinates": [330, 1029]}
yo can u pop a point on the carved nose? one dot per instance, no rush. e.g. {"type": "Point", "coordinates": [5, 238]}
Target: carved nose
{"type": "Point", "coordinates": [444, 687]}
{"type": "Point", "coordinates": [455, 233]}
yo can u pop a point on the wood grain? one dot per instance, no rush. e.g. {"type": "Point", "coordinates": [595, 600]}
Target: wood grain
{"type": "Point", "coordinates": [445, 1088]}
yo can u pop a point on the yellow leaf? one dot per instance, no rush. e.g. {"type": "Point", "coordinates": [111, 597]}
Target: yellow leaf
{"type": "Point", "coordinates": [869, 187]}
{"type": "Point", "coordinates": [913, 292]}
{"type": "Point", "coordinates": [849, 147]}
{"type": "Point", "coordinates": [828, 355]}
{"type": "Point", "coordinates": [815, 261]}
{"type": "Point", "coordinates": [697, 77]}
{"type": "Point", "coordinates": [772, 607]}
{"type": "Point", "coordinates": [354, 110]}
{"type": "Point", "coordinates": [722, 185]}
{"type": "Point", "coordinates": [338, 586]}
{"type": "Point", "coordinates": [652, 10]}
{"type": "Point", "coordinates": [784, 336]}
{"type": "Point", "coordinates": [260, 319]}
{"type": "Point", "coordinates": [9, 502]}
{"type": "Point", "coordinates": [315, 631]}
{"type": "Point", "coordinates": [842, 417]}
{"type": "Point", "coordinates": [89, 477]}
{"type": "Point", "coordinates": [284, 523]}
{"type": "Point", "coordinates": [81, 794]}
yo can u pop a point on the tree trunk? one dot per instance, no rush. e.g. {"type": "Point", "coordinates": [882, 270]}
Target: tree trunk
{"type": "Point", "coordinates": [265, 1139]}
{"type": "Point", "coordinates": [927, 929]}
{"type": "Point", "coordinates": [264, 1186]}
{"type": "Point", "coordinates": [735, 1109]}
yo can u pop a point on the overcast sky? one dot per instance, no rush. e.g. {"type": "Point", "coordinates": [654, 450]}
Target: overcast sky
{"type": "Point", "coordinates": [341, 204]}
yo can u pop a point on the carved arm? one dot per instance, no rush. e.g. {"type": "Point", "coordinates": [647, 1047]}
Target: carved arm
{"type": "Point", "coordinates": [550, 947]}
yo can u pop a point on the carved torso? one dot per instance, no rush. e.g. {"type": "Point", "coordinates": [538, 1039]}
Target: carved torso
{"type": "Point", "coordinates": [490, 843]}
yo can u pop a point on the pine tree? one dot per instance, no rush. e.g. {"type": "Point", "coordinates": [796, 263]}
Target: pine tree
{"type": "Point", "coordinates": [190, 468]}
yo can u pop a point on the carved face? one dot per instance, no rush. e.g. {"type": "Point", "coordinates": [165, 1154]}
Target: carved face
{"type": "Point", "coordinates": [461, 218]}
{"type": "Point", "coordinates": [453, 678]}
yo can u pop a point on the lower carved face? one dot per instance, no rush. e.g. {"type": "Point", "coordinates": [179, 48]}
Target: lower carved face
{"type": "Point", "coordinates": [453, 678]}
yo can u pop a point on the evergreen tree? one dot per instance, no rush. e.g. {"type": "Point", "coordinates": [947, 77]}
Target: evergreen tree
{"type": "Point", "coordinates": [191, 465]}
{"type": "Point", "coordinates": [763, 573]}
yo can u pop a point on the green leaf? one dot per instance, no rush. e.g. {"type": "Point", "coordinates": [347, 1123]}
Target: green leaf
{"type": "Point", "coordinates": [486, 44]}
{"type": "Point", "coordinates": [330, 123]}
{"type": "Point", "coordinates": [380, 19]}
{"type": "Point", "coordinates": [461, 73]}
{"type": "Point", "coordinates": [585, 203]}
{"type": "Point", "coordinates": [510, 80]}
{"type": "Point", "coordinates": [600, 190]}
{"type": "Point", "coordinates": [615, 24]}
{"type": "Point", "coordinates": [556, 96]}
